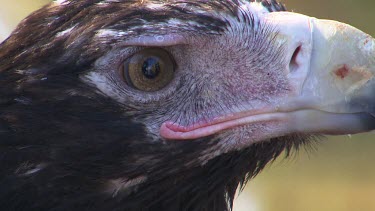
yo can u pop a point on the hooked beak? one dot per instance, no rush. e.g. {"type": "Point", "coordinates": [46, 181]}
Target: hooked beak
{"type": "Point", "coordinates": [333, 75]}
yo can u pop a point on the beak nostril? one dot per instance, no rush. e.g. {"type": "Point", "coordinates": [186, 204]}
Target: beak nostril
{"type": "Point", "coordinates": [293, 65]}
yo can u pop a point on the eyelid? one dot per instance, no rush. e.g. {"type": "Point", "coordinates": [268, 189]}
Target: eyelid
{"type": "Point", "coordinates": [157, 40]}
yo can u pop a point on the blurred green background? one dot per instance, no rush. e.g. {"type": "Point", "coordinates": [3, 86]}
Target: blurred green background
{"type": "Point", "coordinates": [339, 175]}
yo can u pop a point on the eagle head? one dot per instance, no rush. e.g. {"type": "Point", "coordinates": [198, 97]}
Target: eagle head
{"type": "Point", "coordinates": [169, 105]}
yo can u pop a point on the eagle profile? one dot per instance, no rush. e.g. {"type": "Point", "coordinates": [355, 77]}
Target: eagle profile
{"type": "Point", "coordinates": [169, 105]}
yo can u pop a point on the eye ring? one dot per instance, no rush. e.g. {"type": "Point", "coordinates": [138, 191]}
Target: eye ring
{"type": "Point", "coordinates": [148, 70]}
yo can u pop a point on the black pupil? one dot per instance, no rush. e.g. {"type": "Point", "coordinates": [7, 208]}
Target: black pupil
{"type": "Point", "coordinates": [151, 68]}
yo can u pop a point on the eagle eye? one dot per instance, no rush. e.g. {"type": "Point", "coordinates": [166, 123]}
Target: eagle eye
{"type": "Point", "coordinates": [148, 70]}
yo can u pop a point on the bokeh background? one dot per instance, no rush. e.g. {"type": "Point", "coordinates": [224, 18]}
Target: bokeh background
{"type": "Point", "coordinates": [338, 175]}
